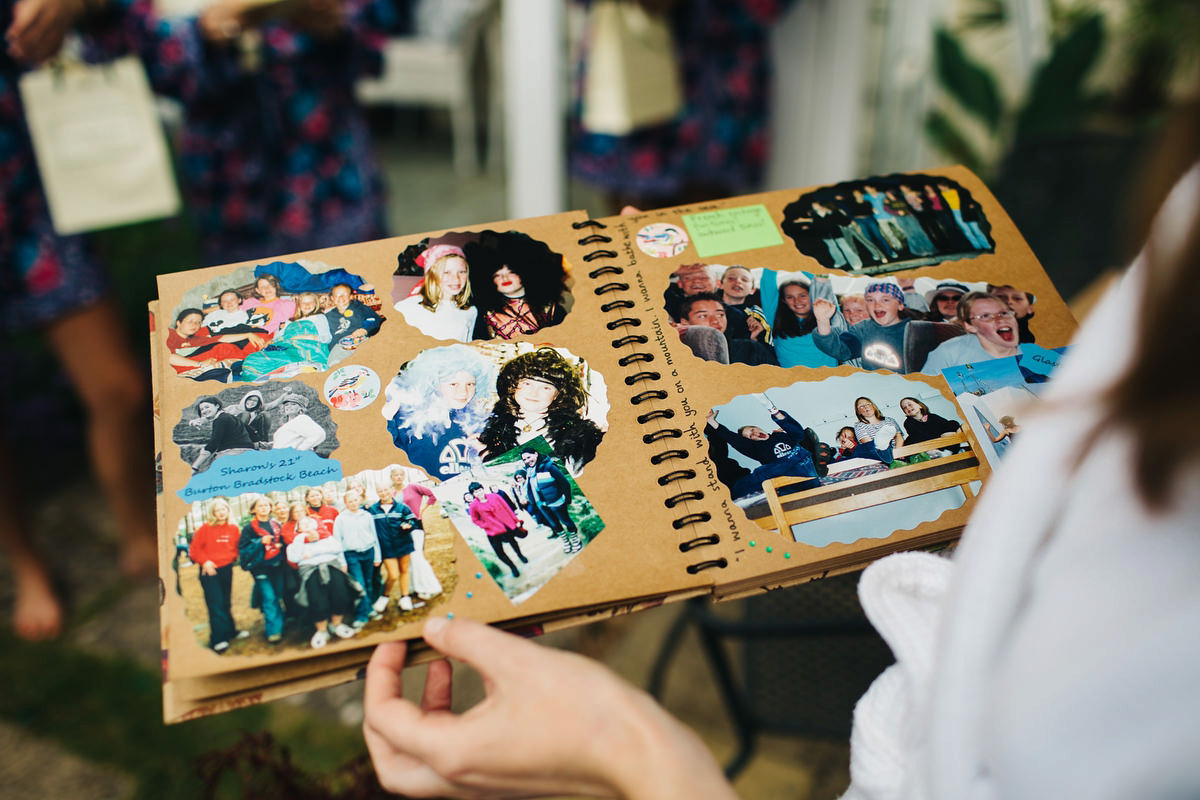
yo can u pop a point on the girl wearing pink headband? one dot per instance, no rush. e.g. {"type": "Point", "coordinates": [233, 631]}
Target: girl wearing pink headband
{"type": "Point", "coordinates": [440, 305]}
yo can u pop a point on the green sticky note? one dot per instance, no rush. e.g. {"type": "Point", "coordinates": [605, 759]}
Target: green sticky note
{"type": "Point", "coordinates": [732, 229]}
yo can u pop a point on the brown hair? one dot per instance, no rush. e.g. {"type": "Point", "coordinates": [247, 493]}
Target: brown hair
{"type": "Point", "coordinates": [1155, 400]}
{"type": "Point", "coordinates": [971, 298]}
{"type": "Point", "coordinates": [878, 413]}
{"type": "Point", "coordinates": [924, 408]}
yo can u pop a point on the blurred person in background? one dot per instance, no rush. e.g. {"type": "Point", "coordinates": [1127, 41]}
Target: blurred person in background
{"type": "Point", "coordinates": [54, 285]}
{"type": "Point", "coordinates": [274, 151]}
{"type": "Point", "coordinates": [718, 145]}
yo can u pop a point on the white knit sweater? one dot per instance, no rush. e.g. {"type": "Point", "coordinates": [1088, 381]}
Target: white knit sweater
{"type": "Point", "coordinates": [1058, 655]}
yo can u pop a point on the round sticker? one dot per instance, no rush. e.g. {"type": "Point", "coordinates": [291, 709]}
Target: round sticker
{"type": "Point", "coordinates": [351, 387]}
{"type": "Point", "coordinates": [662, 240]}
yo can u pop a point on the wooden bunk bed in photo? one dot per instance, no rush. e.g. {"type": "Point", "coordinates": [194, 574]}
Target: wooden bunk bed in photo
{"type": "Point", "coordinates": [789, 502]}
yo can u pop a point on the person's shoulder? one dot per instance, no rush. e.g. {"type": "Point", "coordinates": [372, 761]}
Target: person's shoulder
{"type": "Point", "coordinates": [955, 344]}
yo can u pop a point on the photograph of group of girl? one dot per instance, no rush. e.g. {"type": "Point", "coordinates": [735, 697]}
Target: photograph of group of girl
{"type": "Point", "coordinates": [838, 429]}
{"type": "Point", "coordinates": [270, 321]}
{"type": "Point", "coordinates": [505, 427]}
{"type": "Point", "coordinates": [757, 315]}
{"type": "Point", "coordinates": [887, 224]}
{"type": "Point", "coordinates": [480, 286]}
{"type": "Point", "coordinates": [314, 564]}
{"type": "Point", "coordinates": [243, 419]}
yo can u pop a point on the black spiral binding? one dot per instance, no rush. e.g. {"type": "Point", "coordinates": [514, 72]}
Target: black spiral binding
{"type": "Point", "coordinates": [622, 324]}
{"type": "Point", "coordinates": [644, 375]}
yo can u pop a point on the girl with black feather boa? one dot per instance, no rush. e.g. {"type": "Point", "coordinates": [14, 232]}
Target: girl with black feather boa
{"type": "Point", "coordinates": [541, 393]}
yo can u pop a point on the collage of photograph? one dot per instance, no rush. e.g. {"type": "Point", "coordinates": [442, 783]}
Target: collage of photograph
{"type": "Point", "coordinates": [296, 569]}
{"type": "Point", "coordinates": [456, 412]}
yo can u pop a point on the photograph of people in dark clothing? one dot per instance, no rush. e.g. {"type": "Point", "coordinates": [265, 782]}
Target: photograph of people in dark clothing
{"type": "Point", "coordinates": [242, 419]}
{"type": "Point", "coordinates": [887, 224]}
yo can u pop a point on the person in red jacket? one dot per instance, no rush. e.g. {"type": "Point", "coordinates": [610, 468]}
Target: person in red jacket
{"type": "Point", "coordinates": [324, 513]}
{"type": "Point", "coordinates": [214, 548]}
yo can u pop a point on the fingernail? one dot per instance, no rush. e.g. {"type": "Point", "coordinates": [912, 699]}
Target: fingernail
{"type": "Point", "coordinates": [434, 625]}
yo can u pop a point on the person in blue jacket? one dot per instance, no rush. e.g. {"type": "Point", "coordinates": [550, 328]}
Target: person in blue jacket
{"type": "Point", "coordinates": [550, 492]}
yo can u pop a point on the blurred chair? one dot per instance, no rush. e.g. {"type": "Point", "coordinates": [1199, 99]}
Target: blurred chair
{"type": "Point", "coordinates": [442, 71]}
{"type": "Point", "coordinates": [804, 656]}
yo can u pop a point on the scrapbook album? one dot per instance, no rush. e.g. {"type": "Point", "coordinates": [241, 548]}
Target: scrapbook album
{"type": "Point", "coordinates": [541, 422]}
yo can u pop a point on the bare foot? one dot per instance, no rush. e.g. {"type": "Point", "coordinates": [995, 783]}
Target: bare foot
{"type": "Point", "coordinates": [38, 613]}
{"type": "Point", "coordinates": [139, 557]}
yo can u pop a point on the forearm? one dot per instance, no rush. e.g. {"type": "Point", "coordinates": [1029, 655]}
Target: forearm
{"type": "Point", "coordinates": [833, 345]}
{"type": "Point", "coordinates": [180, 62]}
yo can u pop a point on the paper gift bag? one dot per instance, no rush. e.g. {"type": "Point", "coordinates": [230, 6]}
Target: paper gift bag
{"type": "Point", "coordinates": [631, 76]}
{"type": "Point", "coordinates": [99, 144]}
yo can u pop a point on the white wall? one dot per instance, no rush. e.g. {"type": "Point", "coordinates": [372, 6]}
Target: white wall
{"type": "Point", "coordinates": [821, 54]}
{"type": "Point", "coordinates": [533, 53]}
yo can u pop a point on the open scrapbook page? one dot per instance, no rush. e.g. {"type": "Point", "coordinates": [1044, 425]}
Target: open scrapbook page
{"type": "Point", "coordinates": [540, 422]}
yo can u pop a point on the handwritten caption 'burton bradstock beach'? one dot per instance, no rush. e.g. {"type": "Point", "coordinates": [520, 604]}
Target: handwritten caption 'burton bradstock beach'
{"type": "Point", "coordinates": [261, 471]}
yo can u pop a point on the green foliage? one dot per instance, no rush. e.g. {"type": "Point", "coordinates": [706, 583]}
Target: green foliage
{"type": "Point", "coordinates": [986, 14]}
{"type": "Point", "coordinates": [1170, 26]}
{"type": "Point", "coordinates": [947, 138]}
{"type": "Point", "coordinates": [971, 84]}
{"type": "Point", "coordinates": [1057, 99]}
{"type": "Point", "coordinates": [109, 710]}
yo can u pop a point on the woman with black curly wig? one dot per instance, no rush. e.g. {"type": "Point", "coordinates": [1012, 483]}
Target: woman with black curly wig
{"type": "Point", "coordinates": [517, 283]}
{"type": "Point", "coordinates": [541, 393]}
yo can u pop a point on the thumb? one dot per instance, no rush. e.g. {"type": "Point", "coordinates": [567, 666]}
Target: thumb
{"type": "Point", "coordinates": [488, 650]}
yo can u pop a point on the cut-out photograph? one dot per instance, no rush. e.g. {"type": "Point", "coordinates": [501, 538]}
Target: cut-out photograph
{"type": "Point", "coordinates": [306, 568]}
{"type": "Point", "coordinates": [997, 394]}
{"type": "Point", "coordinates": [990, 330]}
{"type": "Point", "coordinates": [244, 419]}
{"type": "Point", "coordinates": [523, 516]}
{"type": "Point", "coordinates": [481, 285]}
{"type": "Point", "coordinates": [271, 321]}
{"type": "Point", "coordinates": [799, 453]}
{"type": "Point", "coordinates": [454, 406]}
{"type": "Point", "coordinates": [750, 314]}
{"type": "Point", "coordinates": [717, 312]}
{"type": "Point", "coordinates": [888, 224]}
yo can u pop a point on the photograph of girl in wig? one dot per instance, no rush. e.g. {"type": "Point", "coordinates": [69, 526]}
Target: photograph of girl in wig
{"type": "Point", "coordinates": [542, 393]}
{"type": "Point", "coordinates": [436, 406]}
{"type": "Point", "coordinates": [440, 304]}
{"type": "Point", "coordinates": [517, 283]}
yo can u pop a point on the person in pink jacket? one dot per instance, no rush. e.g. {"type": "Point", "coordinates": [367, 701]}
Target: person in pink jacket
{"type": "Point", "coordinates": [495, 516]}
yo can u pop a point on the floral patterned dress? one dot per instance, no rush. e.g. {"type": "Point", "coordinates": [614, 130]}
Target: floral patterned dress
{"type": "Point", "coordinates": [275, 150]}
{"type": "Point", "coordinates": [720, 137]}
{"type": "Point", "coordinates": [43, 276]}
